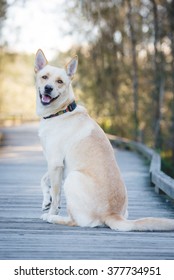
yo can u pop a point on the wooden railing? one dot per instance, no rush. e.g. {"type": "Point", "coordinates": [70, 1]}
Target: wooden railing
{"type": "Point", "coordinates": [1, 138]}
{"type": "Point", "coordinates": [161, 181]}
{"type": "Point", "coordinates": [16, 119]}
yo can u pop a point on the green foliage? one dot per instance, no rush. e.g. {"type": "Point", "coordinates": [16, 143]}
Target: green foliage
{"type": "Point", "coordinates": [167, 165]}
{"type": "Point", "coordinates": [106, 74]}
{"type": "Point", "coordinates": [3, 9]}
{"type": "Point", "coordinates": [17, 91]}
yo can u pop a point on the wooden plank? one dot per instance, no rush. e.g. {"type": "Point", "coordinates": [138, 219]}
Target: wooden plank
{"type": "Point", "coordinates": [155, 164]}
{"type": "Point", "coordinates": [24, 236]}
{"type": "Point", "coordinates": [165, 182]}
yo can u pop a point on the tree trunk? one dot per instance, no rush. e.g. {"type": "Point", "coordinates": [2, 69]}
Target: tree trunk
{"type": "Point", "coordinates": [134, 71]}
{"type": "Point", "coordinates": [158, 79]}
{"type": "Point", "coordinates": [170, 10]}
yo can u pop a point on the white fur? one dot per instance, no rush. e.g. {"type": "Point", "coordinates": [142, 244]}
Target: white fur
{"type": "Point", "coordinates": [80, 157]}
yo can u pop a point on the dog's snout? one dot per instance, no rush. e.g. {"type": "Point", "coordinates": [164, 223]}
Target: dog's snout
{"type": "Point", "coordinates": [48, 89]}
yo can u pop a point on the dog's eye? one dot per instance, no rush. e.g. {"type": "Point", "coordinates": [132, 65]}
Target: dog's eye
{"type": "Point", "coordinates": [44, 77]}
{"type": "Point", "coordinates": [59, 81]}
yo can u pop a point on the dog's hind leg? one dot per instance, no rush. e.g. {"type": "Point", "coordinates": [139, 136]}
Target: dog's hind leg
{"type": "Point", "coordinates": [45, 185]}
{"type": "Point", "coordinates": [57, 219]}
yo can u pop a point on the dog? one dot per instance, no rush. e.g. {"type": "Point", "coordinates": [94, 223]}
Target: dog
{"type": "Point", "coordinates": [80, 159]}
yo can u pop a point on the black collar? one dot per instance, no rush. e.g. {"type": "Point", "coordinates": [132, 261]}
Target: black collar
{"type": "Point", "coordinates": [71, 107]}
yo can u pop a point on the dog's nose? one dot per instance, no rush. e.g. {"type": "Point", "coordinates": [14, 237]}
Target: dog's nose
{"type": "Point", "coordinates": [48, 89]}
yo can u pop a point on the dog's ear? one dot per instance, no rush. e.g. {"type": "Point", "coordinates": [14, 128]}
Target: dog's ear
{"type": "Point", "coordinates": [71, 67]}
{"type": "Point", "coordinates": [40, 61]}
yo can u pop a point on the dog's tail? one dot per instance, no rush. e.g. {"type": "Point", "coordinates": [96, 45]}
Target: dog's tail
{"type": "Point", "coordinates": [119, 223]}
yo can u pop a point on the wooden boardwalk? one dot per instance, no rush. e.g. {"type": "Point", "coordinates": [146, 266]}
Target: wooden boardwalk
{"type": "Point", "coordinates": [24, 236]}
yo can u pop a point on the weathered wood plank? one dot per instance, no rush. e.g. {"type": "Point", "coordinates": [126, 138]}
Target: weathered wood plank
{"type": "Point", "coordinates": [24, 236]}
{"type": "Point", "coordinates": [165, 182]}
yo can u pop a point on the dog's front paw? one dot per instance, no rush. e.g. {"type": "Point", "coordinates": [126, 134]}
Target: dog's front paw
{"type": "Point", "coordinates": [44, 217]}
{"type": "Point", "coordinates": [48, 218]}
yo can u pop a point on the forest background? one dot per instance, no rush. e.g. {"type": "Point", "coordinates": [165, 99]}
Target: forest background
{"type": "Point", "coordinates": [126, 69]}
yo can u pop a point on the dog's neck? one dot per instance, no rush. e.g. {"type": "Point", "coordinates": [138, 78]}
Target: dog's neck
{"type": "Point", "coordinates": [71, 107]}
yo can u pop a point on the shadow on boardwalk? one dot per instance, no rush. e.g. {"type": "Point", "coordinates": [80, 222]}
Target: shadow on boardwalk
{"type": "Point", "coordinates": [24, 236]}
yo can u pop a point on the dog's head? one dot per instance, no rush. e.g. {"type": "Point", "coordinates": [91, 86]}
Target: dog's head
{"type": "Point", "coordinates": [53, 85]}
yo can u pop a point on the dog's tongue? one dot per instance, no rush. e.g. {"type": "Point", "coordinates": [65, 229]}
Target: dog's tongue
{"type": "Point", "coordinates": [46, 98]}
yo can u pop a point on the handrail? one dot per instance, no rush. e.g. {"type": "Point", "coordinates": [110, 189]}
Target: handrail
{"type": "Point", "coordinates": [1, 138]}
{"type": "Point", "coordinates": [161, 181]}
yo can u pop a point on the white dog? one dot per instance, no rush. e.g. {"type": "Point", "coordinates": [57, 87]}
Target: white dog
{"type": "Point", "coordinates": [77, 150]}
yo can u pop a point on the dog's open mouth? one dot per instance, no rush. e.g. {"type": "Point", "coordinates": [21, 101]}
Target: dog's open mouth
{"type": "Point", "coordinates": [46, 99]}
